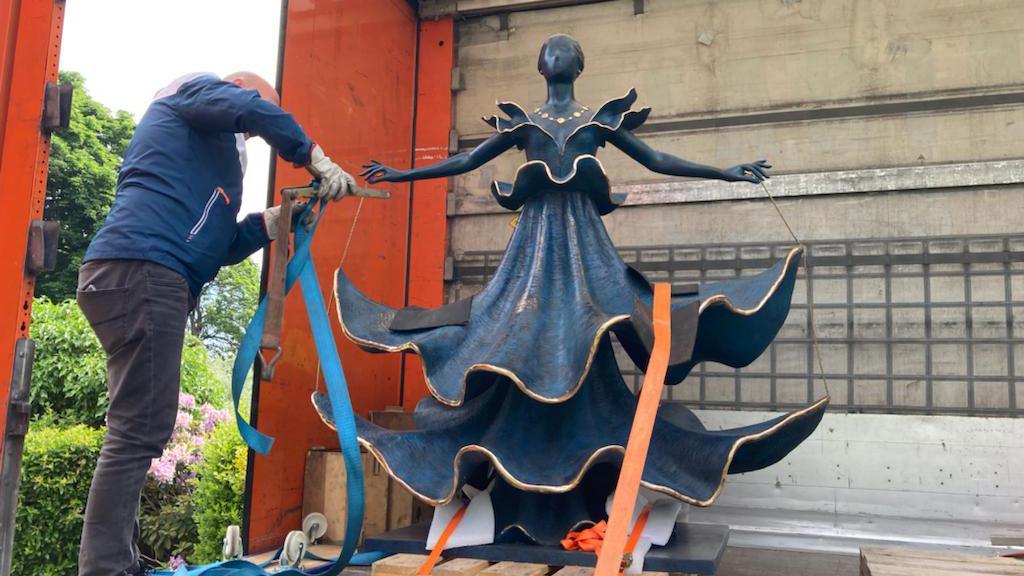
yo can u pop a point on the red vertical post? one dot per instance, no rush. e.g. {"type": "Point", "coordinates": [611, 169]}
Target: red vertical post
{"type": "Point", "coordinates": [347, 74]}
{"type": "Point", "coordinates": [428, 230]}
{"type": "Point", "coordinates": [29, 54]}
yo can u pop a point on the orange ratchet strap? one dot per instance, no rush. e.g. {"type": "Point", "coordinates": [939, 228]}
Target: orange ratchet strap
{"type": "Point", "coordinates": [435, 554]}
{"type": "Point", "coordinates": [609, 559]}
{"type": "Point", "coordinates": [634, 537]}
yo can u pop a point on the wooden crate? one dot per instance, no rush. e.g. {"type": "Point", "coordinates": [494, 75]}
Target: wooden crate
{"type": "Point", "coordinates": [907, 562]}
{"type": "Point", "coordinates": [403, 508]}
{"type": "Point", "coordinates": [389, 505]}
{"type": "Point", "coordinates": [324, 491]}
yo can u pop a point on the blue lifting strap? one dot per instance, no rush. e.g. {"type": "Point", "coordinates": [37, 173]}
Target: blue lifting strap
{"type": "Point", "coordinates": [301, 269]}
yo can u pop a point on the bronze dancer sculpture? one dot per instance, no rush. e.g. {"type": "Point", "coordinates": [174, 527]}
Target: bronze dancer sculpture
{"type": "Point", "coordinates": [525, 390]}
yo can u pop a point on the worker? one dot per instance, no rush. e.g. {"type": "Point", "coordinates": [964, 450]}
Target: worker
{"type": "Point", "coordinates": [172, 226]}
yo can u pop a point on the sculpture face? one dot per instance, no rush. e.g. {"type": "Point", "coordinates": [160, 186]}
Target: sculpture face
{"type": "Point", "coordinates": [560, 59]}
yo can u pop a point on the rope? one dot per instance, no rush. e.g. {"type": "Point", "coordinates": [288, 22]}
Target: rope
{"type": "Point", "coordinates": [344, 255]}
{"type": "Point", "coordinates": [807, 278]}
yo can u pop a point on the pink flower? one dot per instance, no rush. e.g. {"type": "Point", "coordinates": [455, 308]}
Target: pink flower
{"type": "Point", "coordinates": [162, 470]}
{"type": "Point", "coordinates": [175, 562]}
{"type": "Point", "coordinates": [186, 401]}
{"type": "Point", "coordinates": [183, 420]}
{"type": "Point", "coordinates": [212, 417]}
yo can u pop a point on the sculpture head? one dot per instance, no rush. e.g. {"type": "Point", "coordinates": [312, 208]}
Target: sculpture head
{"type": "Point", "coordinates": [561, 59]}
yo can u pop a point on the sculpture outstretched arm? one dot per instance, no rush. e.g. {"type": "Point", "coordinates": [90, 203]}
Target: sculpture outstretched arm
{"type": "Point", "coordinates": [664, 163]}
{"type": "Point", "coordinates": [458, 164]}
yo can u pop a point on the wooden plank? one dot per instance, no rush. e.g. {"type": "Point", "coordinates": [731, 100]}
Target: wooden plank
{"type": "Point", "coordinates": [400, 501]}
{"type": "Point", "coordinates": [910, 554]}
{"type": "Point", "coordinates": [398, 565]}
{"type": "Point", "coordinates": [575, 571]}
{"type": "Point", "coordinates": [323, 491]}
{"type": "Point", "coordinates": [393, 418]}
{"type": "Point", "coordinates": [516, 569]}
{"type": "Point", "coordinates": [461, 567]}
{"type": "Point", "coordinates": [588, 571]}
{"type": "Point", "coordinates": [1008, 539]}
{"type": "Point", "coordinates": [376, 482]}
{"type": "Point", "coordinates": [900, 562]}
{"type": "Point", "coordinates": [400, 504]}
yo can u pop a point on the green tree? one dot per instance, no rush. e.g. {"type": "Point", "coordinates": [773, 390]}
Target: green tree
{"type": "Point", "coordinates": [69, 378]}
{"type": "Point", "coordinates": [84, 160]}
{"type": "Point", "coordinates": [225, 307]}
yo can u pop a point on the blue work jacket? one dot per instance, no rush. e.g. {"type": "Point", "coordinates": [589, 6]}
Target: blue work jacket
{"type": "Point", "coordinates": [180, 185]}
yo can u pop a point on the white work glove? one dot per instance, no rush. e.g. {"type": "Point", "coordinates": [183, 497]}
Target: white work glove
{"type": "Point", "coordinates": [271, 215]}
{"type": "Point", "coordinates": [334, 182]}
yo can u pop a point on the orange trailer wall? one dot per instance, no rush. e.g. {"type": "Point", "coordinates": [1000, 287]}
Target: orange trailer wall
{"type": "Point", "coordinates": [350, 74]}
{"type": "Point", "coordinates": [30, 33]}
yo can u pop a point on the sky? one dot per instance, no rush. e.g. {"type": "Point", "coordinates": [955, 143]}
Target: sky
{"type": "Point", "coordinates": [129, 49]}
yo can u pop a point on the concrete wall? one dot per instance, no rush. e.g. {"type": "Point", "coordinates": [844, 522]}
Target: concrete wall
{"type": "Point", "coordinates": [889, 123]}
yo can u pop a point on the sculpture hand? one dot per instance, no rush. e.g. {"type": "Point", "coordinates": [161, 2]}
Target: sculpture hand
{"type": "Point", "coordinates": [376, 172]}
{"type": "Point", "coordinates": [755, 172]}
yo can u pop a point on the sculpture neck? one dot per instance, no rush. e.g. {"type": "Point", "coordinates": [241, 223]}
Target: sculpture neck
{"type": "Point", "coordinates": [561, 94]}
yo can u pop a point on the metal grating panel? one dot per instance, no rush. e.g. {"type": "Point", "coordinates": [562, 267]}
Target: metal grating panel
{"type": "Point", "coordinates": [905, 325]}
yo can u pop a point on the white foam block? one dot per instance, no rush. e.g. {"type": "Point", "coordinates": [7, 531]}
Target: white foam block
{"type": "Point", "coordinates": [476, 527]}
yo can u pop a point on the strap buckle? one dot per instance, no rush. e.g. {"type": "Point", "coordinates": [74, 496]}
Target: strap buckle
{"type": "Point", "coordinates": [267, 367]}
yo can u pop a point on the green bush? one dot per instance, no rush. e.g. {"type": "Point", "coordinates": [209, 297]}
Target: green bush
{"type": "Point", "coordinates": [69, 376]}
{"type": "Point", "coordinates": [56, 472]}
{"type": "Point", "coordinates": [167, 524]}
{"type": "Point", "coordinates": [220, 490]}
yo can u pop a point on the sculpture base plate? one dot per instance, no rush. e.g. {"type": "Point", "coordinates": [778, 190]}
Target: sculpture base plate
{"type": "Point", "coordinates": [693, 549]}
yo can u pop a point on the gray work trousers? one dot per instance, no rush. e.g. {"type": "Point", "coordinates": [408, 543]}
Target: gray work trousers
{"type": "Point", "coordinates": [138, 310]}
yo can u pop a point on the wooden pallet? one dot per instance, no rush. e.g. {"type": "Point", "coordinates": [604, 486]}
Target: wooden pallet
{"type": "Point", "coordinates": [906, 562]}
{"type": "Point", "coordinates": [408, 564]}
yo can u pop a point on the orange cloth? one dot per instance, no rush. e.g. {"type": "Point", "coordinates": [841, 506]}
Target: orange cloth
{"type": "Point", "coordinates": [588, 539]}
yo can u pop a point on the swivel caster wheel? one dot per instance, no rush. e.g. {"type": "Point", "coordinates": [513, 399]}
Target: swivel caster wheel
{"type": "Point", "coordinates": [232, 548]}
{"type": "Point", "coordinates": [294, 550]}
{"type": "Point", "coordinates": [315, 526]}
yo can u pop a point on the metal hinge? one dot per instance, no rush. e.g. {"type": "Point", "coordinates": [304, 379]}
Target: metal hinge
{"type": "Point", "coordinates": [458, 84]}
{"type": "Point", "coordinates": [57, 106]}
{"type": "Point", "coordinates": [42, 246]}
{"type": "Point", "coordinates": [18, 413]}
{"type": "Point", "coordinates": [432, 9]}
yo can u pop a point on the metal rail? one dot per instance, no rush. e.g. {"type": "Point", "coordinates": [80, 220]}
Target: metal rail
{"type": "Point", "coordinates": [922, 325]}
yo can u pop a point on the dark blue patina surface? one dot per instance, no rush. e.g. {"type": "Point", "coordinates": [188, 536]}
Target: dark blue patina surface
{"type": "Point", "coordinates": [526, 392]}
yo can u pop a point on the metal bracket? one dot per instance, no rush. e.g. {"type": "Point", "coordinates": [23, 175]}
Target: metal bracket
{"type": "Point", "coordinates": [453, 141]}
{"type": "Point", "coordinates": [449, 269]}
{"type": "Point", "coordinates": [18, 413]}
{"type": "Point", "coordinates": [458, 82]}
{"type": "Point", "coordinates": [42, 250]}
{"type": "Point", "coordinates": [42, 246]}
{"type": "Point", "coordinates": [57, 106]}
